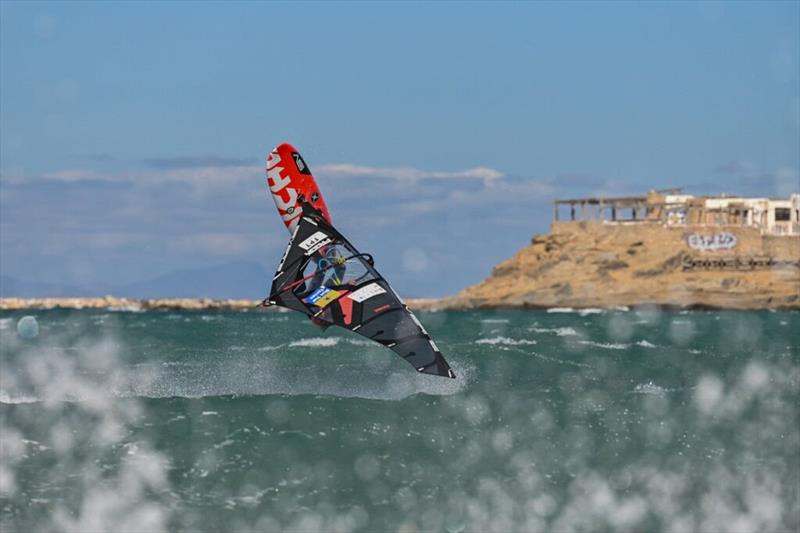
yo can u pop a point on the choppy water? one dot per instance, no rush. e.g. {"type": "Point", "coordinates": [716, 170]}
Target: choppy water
{"type": "Point", "coordinates": [618, 420]}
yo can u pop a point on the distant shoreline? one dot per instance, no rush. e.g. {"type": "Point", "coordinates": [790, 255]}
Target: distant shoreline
{"type": "Point", "coordinates": [111, 303]}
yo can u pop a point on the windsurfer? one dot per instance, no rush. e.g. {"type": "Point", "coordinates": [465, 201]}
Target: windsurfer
{"type": "Point", "coordinates": [331, 267]}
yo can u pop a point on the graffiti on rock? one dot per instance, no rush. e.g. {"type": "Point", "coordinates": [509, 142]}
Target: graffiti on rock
{"type": "Point", "coordinates": [711, 243]}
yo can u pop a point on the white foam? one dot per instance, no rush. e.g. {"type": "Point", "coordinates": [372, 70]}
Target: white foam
{"type": "Point", "coordinates": [606, 345]}
{"type": "Point", "coordinates": [646, 344]}
{"type": "Point", "coordinates": [505, 340]}
{"type": "Point", "coordinates": [584, 312]}
{"type": "Point", "coordinates": [649, 388]}
{"type": "Point", "coordinates": [561, 332]}
{"type": "Point", "coordinates": [6, 398]}
{"type": "Point", "coordinates": [269, 348]}
{"type": "Point", "coordinates": [5, 323]}
{"type": "Point", "coordinates": [361, 342]}
{"type": "Point", "coordinates": [495, 320]}
{"type": "Point", "coordinates": [315, 342]}
{"type": "Point", "coordinates": [126, 309]}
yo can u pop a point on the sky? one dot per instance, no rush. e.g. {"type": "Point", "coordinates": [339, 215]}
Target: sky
{"type": "Point", "coordinates": [133, 135]}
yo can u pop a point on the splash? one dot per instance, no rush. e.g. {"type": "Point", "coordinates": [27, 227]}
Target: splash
{"type": "Point", "coordinates": [316, 342]}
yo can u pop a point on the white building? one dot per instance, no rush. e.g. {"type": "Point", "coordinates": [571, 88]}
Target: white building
{"type": "Point", "coordinates": [783, 216]}
{"type": "Point", "coordinates": [773, 216]}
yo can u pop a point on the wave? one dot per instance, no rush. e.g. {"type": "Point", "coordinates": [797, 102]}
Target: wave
{"type": "Point", "coordinates": [505, 340]}
{"type": "Point", "coordinates": [606, 345]}
{"type": "Point", "coordinates": [561, 332]}
{"type": "Point", "coordinates": [644, 343]}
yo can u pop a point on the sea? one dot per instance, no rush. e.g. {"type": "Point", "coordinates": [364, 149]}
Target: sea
{"type": "Point", "coordinates": [559, 420]}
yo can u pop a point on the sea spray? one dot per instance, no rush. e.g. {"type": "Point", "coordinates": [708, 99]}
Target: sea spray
{"type": "Point", "coordinates": [165, 424]}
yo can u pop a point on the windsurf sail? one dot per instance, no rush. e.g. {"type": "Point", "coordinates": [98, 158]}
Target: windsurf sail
{"type": "Point", "coordinates": [324, 277]}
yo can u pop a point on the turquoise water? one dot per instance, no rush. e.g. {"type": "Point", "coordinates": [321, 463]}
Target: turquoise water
{"type": "Point", "coordinates": [607, 420]}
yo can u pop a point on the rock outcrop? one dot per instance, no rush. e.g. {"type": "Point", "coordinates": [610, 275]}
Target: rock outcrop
{"type": "Point", "coordinates": [596, 264]}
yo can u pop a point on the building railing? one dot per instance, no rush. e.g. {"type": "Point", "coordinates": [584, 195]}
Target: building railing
{"type": "Point", "coordinates": [643, 210]}
{"type": "Point", "coordinates": [784, 228]}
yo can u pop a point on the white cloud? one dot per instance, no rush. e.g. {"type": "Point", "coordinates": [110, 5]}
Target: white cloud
{"type": "Point", "coordinates": [204, 176]}
{"type": "Point", "coordinates": [74, 174]}
{"type": "Point", "coordinates": [407, 173]}
{"type": "Point", "coordinates": [227, 174]}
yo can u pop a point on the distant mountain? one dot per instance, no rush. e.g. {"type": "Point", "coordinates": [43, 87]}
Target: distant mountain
{"type": "Point", "coordinates": [241, 279]}
{"type": "Point", "coordinates": [11, 287]}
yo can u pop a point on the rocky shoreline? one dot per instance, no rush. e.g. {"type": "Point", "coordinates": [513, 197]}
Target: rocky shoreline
{"type": "Point", "coordinates": [592, 264]}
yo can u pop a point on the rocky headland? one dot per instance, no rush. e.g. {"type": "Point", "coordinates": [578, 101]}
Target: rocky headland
{"type": "Point", "coordinates": [598, 264]}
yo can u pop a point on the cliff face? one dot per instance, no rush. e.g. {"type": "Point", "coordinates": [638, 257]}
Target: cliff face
{"type": "Point", "coordinates": [592, 264]}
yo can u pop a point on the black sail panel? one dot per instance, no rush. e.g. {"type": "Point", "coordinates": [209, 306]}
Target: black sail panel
{"type": "Point", "coordinates": [323, 276]}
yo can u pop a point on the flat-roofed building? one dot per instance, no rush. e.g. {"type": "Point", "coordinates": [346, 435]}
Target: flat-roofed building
{"type": "Point", "coordinates": [772, 216]}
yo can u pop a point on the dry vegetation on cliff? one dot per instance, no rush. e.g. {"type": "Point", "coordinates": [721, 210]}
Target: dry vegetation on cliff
{"type": "Point", "coordinates": [592, 264]}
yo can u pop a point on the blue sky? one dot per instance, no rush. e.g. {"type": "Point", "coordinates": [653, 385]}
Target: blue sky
{"type": "Point", "coordinates": [132, 135]}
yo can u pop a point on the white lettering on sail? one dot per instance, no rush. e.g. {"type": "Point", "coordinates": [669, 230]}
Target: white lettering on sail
{"type": "Point", "coordinates": [311, 244]}
{"type": "Point", "coordinates": [285, 205]}
{"type": "Point", "coordinates": [278, 181]}
{"type": "Point", "coordinates": [365, 293]}
{"type": "Point", "coordinates": [288, 207]}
